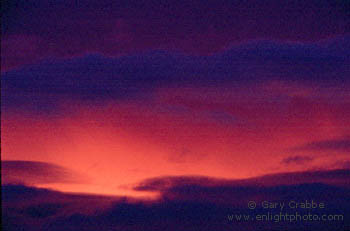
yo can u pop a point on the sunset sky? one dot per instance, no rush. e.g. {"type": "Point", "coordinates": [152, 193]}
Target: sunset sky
{"type": "Point", "coordinates": [129, 98]}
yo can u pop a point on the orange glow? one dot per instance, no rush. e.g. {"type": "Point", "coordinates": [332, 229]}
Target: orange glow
{"type": "Point", "coordinates": [120, 144]}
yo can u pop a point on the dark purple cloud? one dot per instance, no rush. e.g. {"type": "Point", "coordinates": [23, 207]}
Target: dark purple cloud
{"type": "Point", "coordinates": [343, 164]}
{"type": "Point", "coordinates": [33, 30]}
{"type": "Point", "coordinates": [186, 203]}
{"type": "Point", "coordinates": [96, 78]}
{"type": "Point", "coordinates": [34, 172]}
{"type": "Point", "coordinates": [341, 144]}
{"type": "Point", "coordinates": [299, 160]}
{"type": "Point", "coordinates": [339, 176]}
{"type": "Point", "coordinates": [30, 208]}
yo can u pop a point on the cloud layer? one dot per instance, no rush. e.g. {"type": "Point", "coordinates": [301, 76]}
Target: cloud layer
{"type": "Point", "coordinates": [98, 78]}
{"type": "Point", "coordinates": [341, 144]}
{"type": "Point", "coordinates": [185, 203]}
{"type": "Point", "coordinates": [132, 26]}
{"type": "Point", "coordinates": [35, 172]}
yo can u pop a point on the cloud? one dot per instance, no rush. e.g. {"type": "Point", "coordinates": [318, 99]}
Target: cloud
{"type": "Point", "coordinates": [66, 29]}
{"type": "Point", "coordinates": [299, 160]}
{"type": "Point", "coordinates": [97, 78]}
{"type": "Point", "coordinates": [345, 164]}
{"type": "Point", "coordinates": [341, 144]}
{"type": "Point", "coordinates": [185, 203]}
{"type": "Point", "coordinates": [337, 177]}
{"type": "Point", "coordinates": [35, 172]}
{"type": "Point", "coordinates": [14, 192]}
{"type": "Point", "coordinates": [30, 208]}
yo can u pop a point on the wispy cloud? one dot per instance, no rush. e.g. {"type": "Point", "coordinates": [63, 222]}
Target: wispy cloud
{"type": "Point", "coordinates": [341, 144]}
{"type": "Point", "coordinates": [299, 160]}
{"type": "Point", "coordinates": [35, 172]}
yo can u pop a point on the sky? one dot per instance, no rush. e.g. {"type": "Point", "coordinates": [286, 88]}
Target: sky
{"type": "Point", "coordinates": [169, 108]}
